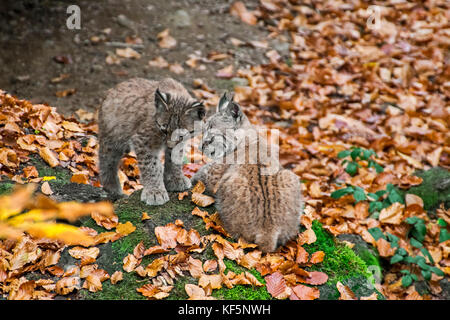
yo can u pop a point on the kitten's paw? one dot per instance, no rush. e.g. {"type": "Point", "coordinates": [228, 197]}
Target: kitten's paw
{"type": "Point", "coordinates": [154, 197]}
{"type": "Point", "coordinates": [178, 183]}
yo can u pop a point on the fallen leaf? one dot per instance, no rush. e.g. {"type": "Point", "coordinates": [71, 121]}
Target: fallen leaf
{"type": "Point", "coordinates": [276, 286]}
{"type": "Point", "coordinates": [202, 200]}
{"type": "Point", "coordinates": [238, 9]}
{"type": "Point", "coordinates": [46, 189]}
{"type": "Point", "coordinates": [392, 214]}
{"type": "Point", "coordinates": [345, 292]}
{"type": "Point", "coordinates": [306, 293]}
{"type": "Point", "coordinates": [166, 41]}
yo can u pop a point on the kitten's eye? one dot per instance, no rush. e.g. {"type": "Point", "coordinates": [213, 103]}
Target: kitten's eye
{"type": "Point", "coordinates": [201, 113]}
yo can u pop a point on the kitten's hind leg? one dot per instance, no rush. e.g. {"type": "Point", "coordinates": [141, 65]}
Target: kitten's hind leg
{"type": "Point", "coordinates": [109, 157]}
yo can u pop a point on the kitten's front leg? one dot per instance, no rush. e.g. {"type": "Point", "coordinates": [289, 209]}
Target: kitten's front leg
{"type": "Point", "coordinates": [154, 193]}
{"type": "Point", "coordinates": [174, 179]}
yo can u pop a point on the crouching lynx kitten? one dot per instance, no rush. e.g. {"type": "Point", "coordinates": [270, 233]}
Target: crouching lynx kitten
{"type": "Point", "coordinates": [143, 114]}
{"type": "Point", "coordinates": [256, 200]}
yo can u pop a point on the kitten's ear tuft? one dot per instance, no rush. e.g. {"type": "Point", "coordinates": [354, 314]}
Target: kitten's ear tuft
{"type": "Point", "coordinates": [224, 101]}
{"type": "Point", "coordinates": [161, 100]}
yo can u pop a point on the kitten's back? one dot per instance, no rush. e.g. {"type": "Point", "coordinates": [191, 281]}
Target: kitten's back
{"type": "Point", "coordinates": [264, 209]}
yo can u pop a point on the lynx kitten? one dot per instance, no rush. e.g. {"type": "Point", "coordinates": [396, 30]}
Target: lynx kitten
{"type": "Point", "coordinates": [143, 115]}
{"type": "Point", "coordinates": [256, 198]}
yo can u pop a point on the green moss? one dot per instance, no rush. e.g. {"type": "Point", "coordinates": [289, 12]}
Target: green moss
{"type": "Point", "coordinates": [241, 292]}
{"type": "Point", "coordinates": [6, 187]}
{"type": "Point", "coordinates": [62, 175]}
{"type": "Point", "coordinates": [435, 188]}
{"type": "Point", "coordinates": [340, 264]}
{"type": "Point", "coordinates": [340, 261]}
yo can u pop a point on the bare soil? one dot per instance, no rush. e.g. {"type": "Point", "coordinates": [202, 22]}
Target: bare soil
{"type": "Point", "coordinates": [33, 35]}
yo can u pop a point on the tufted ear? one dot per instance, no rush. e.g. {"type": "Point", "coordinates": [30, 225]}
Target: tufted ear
{"type": "Point", "coordinates": [161, 100]}
{"type": "Point", "coordinates": [224, 101]}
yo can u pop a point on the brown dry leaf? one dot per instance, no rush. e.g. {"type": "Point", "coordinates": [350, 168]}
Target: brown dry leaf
{"type": "Point", "coordinates": [46, 189]}
{"type": "Point", "coordinates": [306, 237]}
{"type": "Point", "coordinates": [316, 278]}
{"type": "Point", "coordinates": [81, 177]}
{"type": "Point", "coordinates": [250, 260]}
{"type": "Point", "coordinates": [276, 286]}
{"type": "Point", "coordinates": [384, 248]}
{"type": "Point", "coordinates": [30, 172]}
{"type": "Point", "coordinates": [167, 235]}
{"type": "Point", "coordinates": [181, 195]}
{"type": "Point", "coordinates": [306, 293]}
{"type": "Point", "coordinates": [392, 214]}
{"type": "Point", "coordinates": [92, 283]}
{"type": "Point", "coordinates": [128, 53]}
{"type": "Point", "coordinates": [67, 285]}
{"type": "Point", "coordinates": [411, 199]}
{"type": "Point", "coordinates": [238, 9]}
{"type": "Point", "coordinates": [125, 228]}
{"type": "Point", "coordinates": [214, 281]}
{"type": "Point", "coordinates": [84, 253]}
{"type": "Point", "coordinates": [154, 292]}
{"type": "Point", "coordinates": [65, 93]}
{"type": "Point", "coordinates": [116, 277]}
{"type": "Point", "coordinates": [71, 126]}
{"type": "Point", "coordinates": [155, 250]}
{"type": "Point", "coordinates": [373, 296]}
{"type": "Point", "coordinates": [139, 250]}
{"type": "Point", "coordinates": [225, 73]}
{"type": "Point", "coordinates": [199, 187]}
{"type": "Point", "coordinates": [198, 212]}
{"type": "Point", "coordinates": [165, 40]}
{"type": "Point", "coordinates": [345, 292]}
{"type": "Point", "coordinates": [130, 262]}
{"type": "Point", "coordinates": [108, 222]}
{"type": "Point", "coordinates": [317, 257]}
{"type": "Point", "coordinates": [302, 255]}
{"type": "Point", "coordinates": [176, 68]}
{"type": "Point", "coordinates": [195, 267]}
{"type": "Point", "coordinates": [154, 267]}
{"type": "Point", "coordinates": [202, 200]}
{"type": "Point", "coordinates": [158, 62]}
{"type": "Point", "coordinates": [196, 293]}
{"type": "Point", "coordinates": [210, 265]}
{"type": "Point", "coordinates": [48, 156]}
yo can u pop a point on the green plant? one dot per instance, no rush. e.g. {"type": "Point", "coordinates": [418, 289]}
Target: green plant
{"type": "Point", "coordinates": [359, 154]}
{"type": "Point", "coordinates": [401, 255]}
{"type": "Point", "coordinates": [378, 200]}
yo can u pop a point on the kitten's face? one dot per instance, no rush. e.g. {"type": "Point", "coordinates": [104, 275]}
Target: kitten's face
{"type": "Point", "coordinates": [176, 117]}
{"type": "Point", "coordinates": [223, 130]}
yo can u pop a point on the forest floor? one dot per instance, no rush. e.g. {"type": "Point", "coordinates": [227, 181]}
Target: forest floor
{"type": "Point", "coordinates": [314, 71]}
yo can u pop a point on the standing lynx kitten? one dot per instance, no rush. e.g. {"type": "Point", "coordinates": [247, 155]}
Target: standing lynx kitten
{"type": "Point", "coordinates": [144, 114]}
{"type": "Point", "coordinates": [256, 198]}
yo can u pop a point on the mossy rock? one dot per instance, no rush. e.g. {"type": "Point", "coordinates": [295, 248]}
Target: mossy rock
{"type": "Point", "coordinates": [435, 188]}
{"type": "Point", "coordinates": [340, 262]}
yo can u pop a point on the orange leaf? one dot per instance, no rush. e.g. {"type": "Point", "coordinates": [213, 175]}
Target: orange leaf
{"type": "Point", "coordinates": [276, 286]}
{"type": "Point", "coordinates": [238, 9]}
{"type": "Point", "coordinates": [317, 257]}
{"type": "Point", "coordinates": [125, 228]}
{"type": "Point", "coordinates": [202, 200]}
{"type": "Point", "coordinates": [306, 293]}
{"type": "Point", "coordinates": [345, 292]}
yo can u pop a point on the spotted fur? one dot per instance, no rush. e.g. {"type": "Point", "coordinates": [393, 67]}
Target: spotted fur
{"type": "Point", "coordinates": [143, 114]}
{"type": "Point", "coordinates": [262, 208]}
